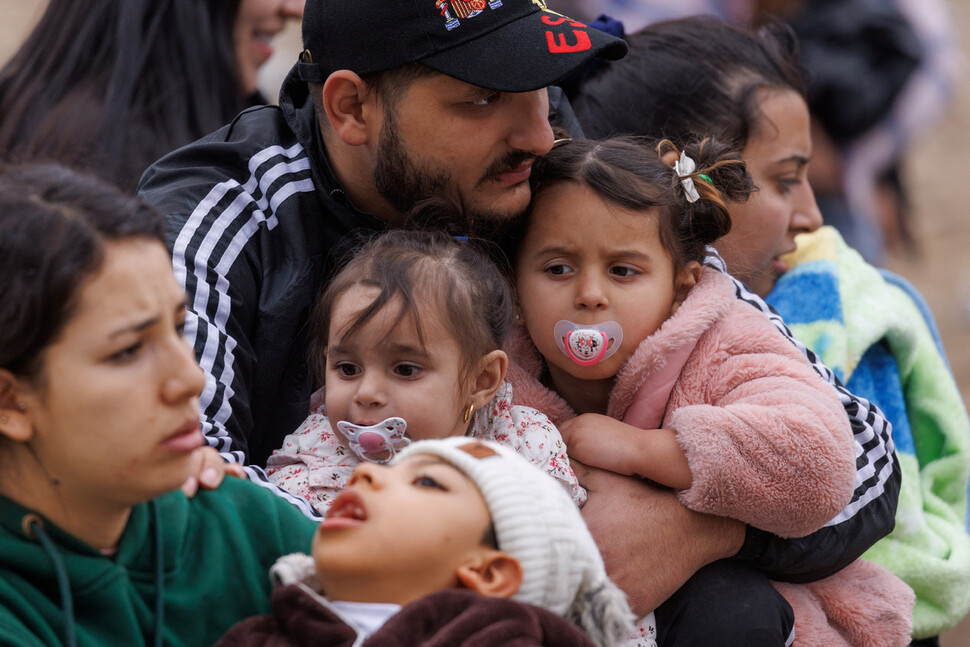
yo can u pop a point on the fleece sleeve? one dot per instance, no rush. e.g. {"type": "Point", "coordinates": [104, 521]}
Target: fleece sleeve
{"type": "Point", "coordinates": [769, 443]}
{"type": "Point", "coordinates": [868, 517]}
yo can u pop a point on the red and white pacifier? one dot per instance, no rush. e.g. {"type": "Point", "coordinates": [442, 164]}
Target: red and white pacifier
{"type": "Point", "coordinates": [587, 344]}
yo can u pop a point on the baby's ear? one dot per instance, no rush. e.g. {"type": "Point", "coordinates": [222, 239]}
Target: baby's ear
{"type": "Point", "coordinates": [493, 574]}
{"type": "Point", "coordinates": [490, 374]}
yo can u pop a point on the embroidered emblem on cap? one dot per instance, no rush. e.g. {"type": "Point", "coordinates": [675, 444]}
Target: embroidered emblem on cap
{"type": "Point", "coordinates": [558, 42]}
{"type": "Point", "coordinates": [478, 450]}
{"type": "Point", "coordinates": [453, 10]}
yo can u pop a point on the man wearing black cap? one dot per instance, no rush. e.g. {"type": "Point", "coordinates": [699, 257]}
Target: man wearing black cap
{"type": "Point", "coordinates": [390, 102]}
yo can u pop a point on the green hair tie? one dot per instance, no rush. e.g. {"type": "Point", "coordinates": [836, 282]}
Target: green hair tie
{"type": "Point", "coordinates": [706, 179]}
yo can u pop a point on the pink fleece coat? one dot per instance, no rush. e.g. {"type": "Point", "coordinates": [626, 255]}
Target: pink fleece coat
{"type": "Point", "coordinates": [767, 441]}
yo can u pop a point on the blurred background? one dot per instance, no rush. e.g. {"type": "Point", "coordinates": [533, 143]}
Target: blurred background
{"type": "Point", "coordinates": [930, 245]}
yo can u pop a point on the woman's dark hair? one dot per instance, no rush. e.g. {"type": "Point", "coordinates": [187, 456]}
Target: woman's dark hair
{"type": "Point", "coordinates": [54, 224]}
{"type": "Point", "coordinates": [636, 174]}
{"type": "Point", "coordinates": [111, 86]}
{"type": "Point", "coordinates": [689, 78]}
{"type": "Point", "coordinates": [429, 272]}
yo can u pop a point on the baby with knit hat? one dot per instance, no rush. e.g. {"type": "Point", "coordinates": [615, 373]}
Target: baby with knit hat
{"type": "Point", "coordinates": [458, 541]}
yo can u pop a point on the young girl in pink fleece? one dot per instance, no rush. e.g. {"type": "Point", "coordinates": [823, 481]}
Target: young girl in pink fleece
{"type": "Point", "coordinates": [648, 363]}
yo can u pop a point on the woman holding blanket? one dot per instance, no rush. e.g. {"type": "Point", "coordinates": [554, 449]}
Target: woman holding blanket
{"type": "Point", "coordinates": [870, 331]}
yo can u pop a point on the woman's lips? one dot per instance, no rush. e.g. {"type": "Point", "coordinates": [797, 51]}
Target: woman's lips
{"type": "Point", "coordinates": [262, 45]}
{"type": "Point", "coordinates": [188, 438]}
{"type": "Point", "coordinates": [778, 266]}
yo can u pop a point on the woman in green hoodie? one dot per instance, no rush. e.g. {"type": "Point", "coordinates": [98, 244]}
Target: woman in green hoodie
{"type": "Point", "coordinates": [99, 426]}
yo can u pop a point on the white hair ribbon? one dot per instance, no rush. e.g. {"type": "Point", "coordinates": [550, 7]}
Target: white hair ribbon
{"type": "Point", "coordinates": [683, 168]}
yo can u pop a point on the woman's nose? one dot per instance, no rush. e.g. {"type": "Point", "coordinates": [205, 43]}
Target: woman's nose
{"type": "Point", "coordinates": [807, 217]}
{"type": "Point", "coordinates": [185, 377]}
{"type": "Point", "coordinates": [293, 8]}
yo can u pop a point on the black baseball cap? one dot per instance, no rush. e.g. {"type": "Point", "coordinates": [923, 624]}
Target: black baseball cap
{"type": "Point", "coordinates": [503, 45]}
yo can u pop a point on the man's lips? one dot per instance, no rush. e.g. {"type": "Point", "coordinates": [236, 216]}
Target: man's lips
{"type": "Point", "coordinates": [516, 174]}
{"type": "Point", "coordinates": [346, 511]}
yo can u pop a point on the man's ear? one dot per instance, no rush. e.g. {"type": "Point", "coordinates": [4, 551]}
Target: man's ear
{"type": "Point", "coordinates": [684, 283]}
{"type": "Point", "coordinates": [491, 372]}
{"type": "Point", "coordinates": [351, 107]}
{"type": "Point", "coordinates": [15, 423]}
{"type": "Point", "coordinates": [493, 574]}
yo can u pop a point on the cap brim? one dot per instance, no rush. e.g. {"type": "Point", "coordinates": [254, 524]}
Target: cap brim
{"type": "Point", "coordinates": [526, 54]}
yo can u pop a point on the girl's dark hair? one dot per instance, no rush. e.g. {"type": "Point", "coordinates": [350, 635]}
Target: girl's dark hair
{"type": "Point", "coordinates": [689, 78]}
{"type": "Point", "coordinates": [633, 173]}
{"type": "Point", "coordinates": [111, 86]}
{"type": "Point", "coordinates": [430, 272]}
{"type": "Point", "coordinates": [54, 224]}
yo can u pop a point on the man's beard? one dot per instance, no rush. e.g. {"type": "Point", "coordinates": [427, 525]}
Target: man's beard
{"type": "Point", "coordinates": [400, 179]}
{"type": "Point", "coordinates": [405, 181]}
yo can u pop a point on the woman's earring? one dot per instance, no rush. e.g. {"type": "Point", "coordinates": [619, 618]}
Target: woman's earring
{"type": "Point", "coordinates": [22, 406]}
{"type": "Point", "coordinates": [468, 413]}
{"type": "Point", "coordinates": [3, 420]}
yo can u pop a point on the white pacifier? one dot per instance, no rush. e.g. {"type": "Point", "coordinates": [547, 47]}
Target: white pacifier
{"type": "Point", "coordinates": [590, 343]}
{"type": "Point", "coordinates": [376, 443]}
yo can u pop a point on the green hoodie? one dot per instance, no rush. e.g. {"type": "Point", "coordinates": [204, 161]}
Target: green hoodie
{"type": "Point", "coordinates": [216, 552]}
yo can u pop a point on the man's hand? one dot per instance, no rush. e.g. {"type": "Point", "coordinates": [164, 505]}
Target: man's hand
{"type": "Point", "coordinates": [210, 471]}
{"type": "Point", "coordinates": [651, 544]}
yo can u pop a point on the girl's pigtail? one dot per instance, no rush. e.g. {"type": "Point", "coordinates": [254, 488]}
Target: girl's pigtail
{"type": "Point", "coordinates": [709, 174]}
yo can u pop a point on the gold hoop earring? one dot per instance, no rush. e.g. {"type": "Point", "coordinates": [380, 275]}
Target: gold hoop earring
{"type": "Point", "coordinates": [468, 413]}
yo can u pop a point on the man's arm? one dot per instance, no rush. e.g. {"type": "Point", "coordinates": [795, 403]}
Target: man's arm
{"type": "Point", "coordinates": [868, 517]}
{"type": "Point", "coordinates": [651, 544]}
{"type": "Point", "coordinates": [214, 224]}
{"type": "Point", "coordinates": [222, 299]}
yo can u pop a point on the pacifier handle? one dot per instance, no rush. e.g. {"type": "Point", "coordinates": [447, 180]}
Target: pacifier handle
{"type": "Point", "coordinates": [368, 440]}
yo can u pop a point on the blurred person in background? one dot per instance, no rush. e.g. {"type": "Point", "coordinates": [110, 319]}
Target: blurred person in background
{"type": "Point", "coordinates": [112, 85]}
{"type": "Point", "coordinates": [879, 74]}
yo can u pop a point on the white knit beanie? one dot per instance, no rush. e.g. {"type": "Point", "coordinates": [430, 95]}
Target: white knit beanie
{"type": "Point", "coordinates": [537, 523]}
